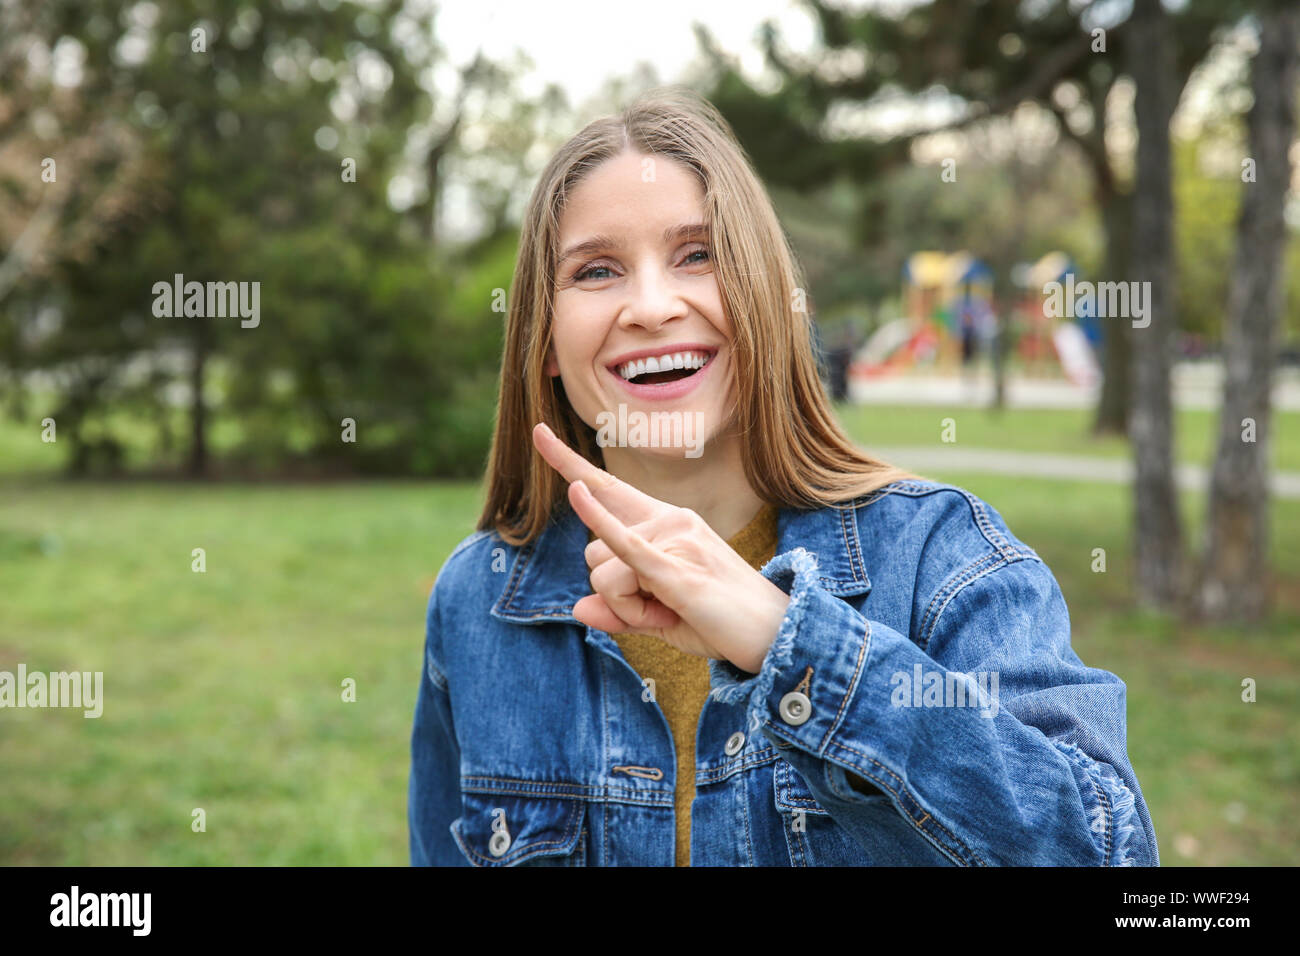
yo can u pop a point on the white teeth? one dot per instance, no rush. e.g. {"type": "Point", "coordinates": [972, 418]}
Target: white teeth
{"type": "Point", "coordinates": [663, 363]}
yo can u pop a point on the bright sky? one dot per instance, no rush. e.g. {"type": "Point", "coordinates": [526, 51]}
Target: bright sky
{"type": "Point", "coordinates": [580, 45]}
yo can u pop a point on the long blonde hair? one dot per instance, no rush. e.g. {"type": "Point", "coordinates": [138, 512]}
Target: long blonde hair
{"type": "Point", "coordinates": [795, 453]}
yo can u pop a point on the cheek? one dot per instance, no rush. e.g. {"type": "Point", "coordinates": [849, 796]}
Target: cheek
{"type": "Point", "coordinates": [716, 313]}
{"type": "Point", "coordinates": [573, 345]}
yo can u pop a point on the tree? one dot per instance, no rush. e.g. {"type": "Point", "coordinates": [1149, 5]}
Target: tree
{"type": "Point", "coordinates": [260, 144]}
{"type": "Point", "coordinates": [1234, 583]}
{"type": "Point", "coordinates": [1065, 57]}
{"type": "Point", "coordinates": [1157, 531]}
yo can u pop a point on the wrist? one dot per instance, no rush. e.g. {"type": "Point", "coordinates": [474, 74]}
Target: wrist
{"type": "Point", "coordinates": [767, 617]}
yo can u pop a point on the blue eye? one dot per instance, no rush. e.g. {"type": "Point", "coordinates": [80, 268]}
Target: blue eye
{"type": "Point", "coordinates": [586, 273]}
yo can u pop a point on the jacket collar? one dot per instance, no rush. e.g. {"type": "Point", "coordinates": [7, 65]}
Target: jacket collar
{"type": "Point", "coordinates": [550, 575]}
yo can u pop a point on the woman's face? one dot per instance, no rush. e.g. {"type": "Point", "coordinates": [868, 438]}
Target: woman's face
{"type": "Point", "coordinates": [635, 280]}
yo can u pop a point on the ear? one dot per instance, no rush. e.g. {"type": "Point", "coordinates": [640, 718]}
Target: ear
{"type": "Point", "coordinates": [551, 366]}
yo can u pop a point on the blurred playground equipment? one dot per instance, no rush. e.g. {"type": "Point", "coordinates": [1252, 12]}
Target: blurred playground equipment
{"type": "Point", "coordinates": [950, 318]}
{"type": "Point", "coordinates": [1047, 344]}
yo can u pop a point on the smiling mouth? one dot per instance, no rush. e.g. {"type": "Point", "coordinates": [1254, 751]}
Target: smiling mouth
{"type": "Point", "coordinates": [665, 369]}
{"type": "Point", "coordinates": [662, 378]}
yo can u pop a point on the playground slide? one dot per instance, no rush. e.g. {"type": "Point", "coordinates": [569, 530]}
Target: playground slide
{"type": "Point", "coordinates": [883, 345]}
{"type": "Point", "coordinates": [1076, 355]}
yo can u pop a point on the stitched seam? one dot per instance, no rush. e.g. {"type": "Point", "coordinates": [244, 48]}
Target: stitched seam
{"type": "Point", "coordinates": [740, 762]}
{"type": "Point", "coordinates": [959, 585]}
{"type": "Point", "coordinates": [985, 522]}
{"type": "Point", "coordinates": [979, 511]}
{"type": "Point", "coordinates": [796, 843]}
{"type": "Point", "coordinates": [604, 740]}
{"type": "Point", "coordinates": [788, 784]}
{"type": "Point", "coordinates": [939, 614]}
{"type": "Point", "coordinates": [650, 800]}
{"type": "Point", "coordinates": [472, 539]}
{"type": "Point", "coordinates": [524, 788]}
{"type": "Point", "coordinates": [932, 838]}
{"type": "Point", "coordinates": [853, 684]}
{"type": "Point", "coordinates": [904, 794]}
{"type": "Point", "coordinates": [436, 677]}
{"type": "Point", "coordinates": [800, 803]}
{"type": "Point", "coordinates": [805, 848]}
{"type": "Point", "coordinates": [849, 519]}
{"type": "Point", "coordinates": [718, 774]}
{"type": "Point", "coordinates": [953, 581]}
{"type": "Point", "coordinates": [516, 574]}
{"type": "Point", "coordinates": [533, 848]}
{"type": "Point", "coordinates": [742, 796]}
{"type": "Point", "coordinates": [793, 843]}
{"type": "Point", "coordinates": [949, 587]}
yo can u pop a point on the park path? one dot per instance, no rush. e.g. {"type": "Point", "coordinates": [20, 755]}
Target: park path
{"type": "Point", "coordinates": [1192, 385]}
{"type": "Point", "coordinates": [1027, 464]}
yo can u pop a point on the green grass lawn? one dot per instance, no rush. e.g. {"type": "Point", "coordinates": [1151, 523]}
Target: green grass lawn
{"type": "Point", "coordinates": [223, 689]}
{"type": "Point", "coordinates": [1058, 431]}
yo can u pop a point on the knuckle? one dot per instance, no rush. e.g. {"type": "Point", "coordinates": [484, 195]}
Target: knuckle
{"type": "Point", "coordinates": [609, 574]}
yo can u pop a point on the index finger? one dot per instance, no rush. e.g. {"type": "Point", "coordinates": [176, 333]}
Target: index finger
{"type": "Point", "coordinates": [621, 498]}
{"type": "Point", "coordinates": [641, 556]}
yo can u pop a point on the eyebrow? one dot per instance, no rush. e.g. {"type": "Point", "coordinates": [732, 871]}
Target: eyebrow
{"type": "Point", "coordinates": [597, 243]}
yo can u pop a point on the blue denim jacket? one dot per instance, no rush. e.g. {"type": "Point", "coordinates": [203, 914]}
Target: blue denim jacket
{"type": "Point", "coordinates": [925, 650]}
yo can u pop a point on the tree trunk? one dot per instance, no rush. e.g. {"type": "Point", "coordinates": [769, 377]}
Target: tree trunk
{"type": "Point", "coordinates": [1113, 404]}
{"type": "Point", "coordinates": [198, 460]}
{"type": "Point", "coordinates": [1234, 584]}
{"type": "Point", "coordinates": [1156, 526]}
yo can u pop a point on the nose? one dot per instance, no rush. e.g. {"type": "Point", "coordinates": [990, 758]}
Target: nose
{"type": "Point", "coordinates": [653, 299]}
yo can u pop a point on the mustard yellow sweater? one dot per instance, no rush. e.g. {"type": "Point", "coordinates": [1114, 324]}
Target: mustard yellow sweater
{"type": "Point", "coordinates": [681, 681]}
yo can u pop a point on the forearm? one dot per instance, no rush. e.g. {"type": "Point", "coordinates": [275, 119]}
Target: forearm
{"type": "Point", "coordinates": [981, 782]}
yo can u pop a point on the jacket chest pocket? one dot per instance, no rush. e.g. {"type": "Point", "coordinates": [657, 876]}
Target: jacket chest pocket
{"type": "Point", "coordinates": [814, 838]}
{"type": "Point", "coordinates": [792, 794]}
{"type": "Point", "coordinates": [510, 829]}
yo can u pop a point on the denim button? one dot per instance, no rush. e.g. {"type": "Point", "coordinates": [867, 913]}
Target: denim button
{"type": "Point", "coordinates": [735, 743]}
{"type": "Point", "coordinates": [795, 708]}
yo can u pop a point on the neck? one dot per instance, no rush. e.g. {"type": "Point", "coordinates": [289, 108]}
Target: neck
{"type": "Point", "coordinates": [712, 485]}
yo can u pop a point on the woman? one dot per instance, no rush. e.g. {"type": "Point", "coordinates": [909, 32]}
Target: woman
{"type": "Point", "coordinates": [739, 640]}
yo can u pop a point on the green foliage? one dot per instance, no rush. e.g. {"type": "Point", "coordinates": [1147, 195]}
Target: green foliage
{"type": "Point", "coordinates": [358, 312]}
{"type": "Point", "coordinates": [1207, 203]}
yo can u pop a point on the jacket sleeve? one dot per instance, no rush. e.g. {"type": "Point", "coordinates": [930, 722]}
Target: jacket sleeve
{"type": "Point", "coordinates": [1036, 773]}
{"type": "Point", "coordinates": [433, 797]}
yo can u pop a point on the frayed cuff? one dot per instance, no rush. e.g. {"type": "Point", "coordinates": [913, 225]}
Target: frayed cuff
{"type": "Point", "coordinates": [1111, 808]}
{"type": "Point", "coordinates": [794, 572]}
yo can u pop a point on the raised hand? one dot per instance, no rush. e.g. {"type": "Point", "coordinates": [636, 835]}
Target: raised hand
{"type": "Point", "coordinates": [660, 569]}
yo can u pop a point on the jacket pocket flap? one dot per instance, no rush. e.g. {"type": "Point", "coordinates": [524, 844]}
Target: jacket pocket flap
{"type": "Point", "coordinates": [497, 829]}
{"type": "Point", "coordinates": [792, 792]}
